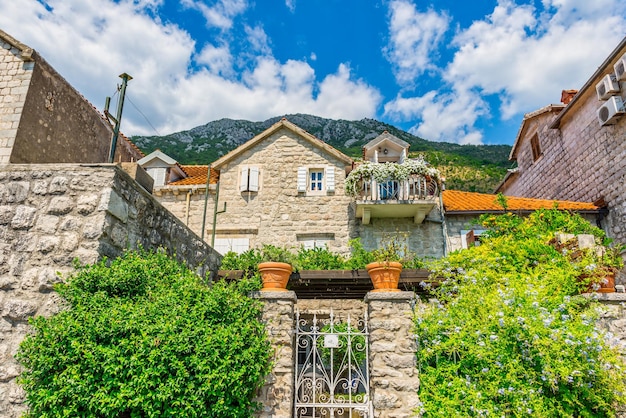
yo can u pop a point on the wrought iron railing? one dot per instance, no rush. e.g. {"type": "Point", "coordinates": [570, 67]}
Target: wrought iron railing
{"type": "Point", "coordinates": [416, 187]}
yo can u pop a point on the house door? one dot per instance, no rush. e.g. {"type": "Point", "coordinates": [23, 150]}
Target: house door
{"type": "Point", "coordinates": [331, 371]}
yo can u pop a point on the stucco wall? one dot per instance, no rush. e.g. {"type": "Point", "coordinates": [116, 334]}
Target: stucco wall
{"type": "Point", "coordinates": [15, 75]}
{"type": "Point", "coordinates": [582, 161]}
{"type": "Point", "coordinates": [50, 215]}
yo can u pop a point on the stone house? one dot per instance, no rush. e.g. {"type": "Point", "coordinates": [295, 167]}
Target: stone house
{"type": "Point", "coordinates": [43, 119]}
{"type": "Point", "coordinates": [576, 150]}
{"type": "Point", "coordinates": [286, 187]}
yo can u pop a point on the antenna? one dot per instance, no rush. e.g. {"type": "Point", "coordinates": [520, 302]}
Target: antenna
{"type": "Point", "coordinates": [118, 119]}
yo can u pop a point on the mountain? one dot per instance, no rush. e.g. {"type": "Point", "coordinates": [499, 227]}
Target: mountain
{"type": "Point", "coordinates": [466, 167]}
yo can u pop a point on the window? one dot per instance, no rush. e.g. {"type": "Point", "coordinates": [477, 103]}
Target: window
{"type": "Point", "coordinates": [238, 245]}
{"type": "Point", "coordinates": [158, 174]}
{"type": "Point", "coordinates": [316, 179]}
{"type": "Point", "coordinates": [536, 148]}
{"type": "Point", "coordinates": [316, 240]}
{"type": "Point", "coordinates": [249, 179]}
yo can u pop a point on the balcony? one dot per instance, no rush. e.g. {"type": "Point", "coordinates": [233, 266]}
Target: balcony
{"type": "Point", "coordinates": [411, 198]}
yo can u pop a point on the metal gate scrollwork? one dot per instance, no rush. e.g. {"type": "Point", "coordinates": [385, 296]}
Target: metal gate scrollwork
{"type": "Point", "coordinates": [331, 372]}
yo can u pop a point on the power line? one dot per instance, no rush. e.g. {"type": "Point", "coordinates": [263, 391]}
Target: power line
{"type": "Point", "coordinates": [142, 114]}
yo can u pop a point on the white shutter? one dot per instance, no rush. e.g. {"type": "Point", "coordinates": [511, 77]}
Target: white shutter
{"type": "Point", "coordinates": [243, 185]}
{"type": "Point", "coordinates": [302, 171]}
{"type": "Point", "coordinates": [254, 179]}
{"type": "Point", "coordinates": [330, 178]}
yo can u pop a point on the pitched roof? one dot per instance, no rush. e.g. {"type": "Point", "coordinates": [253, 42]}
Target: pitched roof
{"type": "Point", "coordinates": [524, 125]}
{"type": "Point", "coordinates": [157, 154]}
{"type": "Point", "coordinates": [196, 176]}
{"type": "Point", "coordinates": [455, 201]}
{"type": "Point", "coordinates": [283, 123]}
{"type": "Point", "coordinates": [386, 136]}
{"type": "Point", "coordinates": [26, 52]}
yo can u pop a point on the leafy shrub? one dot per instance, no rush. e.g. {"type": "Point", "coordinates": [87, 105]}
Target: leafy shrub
{"type": "Point", "coordinates": [145, 338]}
{"type": "Point", "coordinates": [319, 259]}
{"type": "Point", "coordinates": [510, 336]}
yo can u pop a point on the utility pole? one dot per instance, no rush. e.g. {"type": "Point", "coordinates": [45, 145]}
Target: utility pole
{"type": "Point", "coordinates": [118, 119]}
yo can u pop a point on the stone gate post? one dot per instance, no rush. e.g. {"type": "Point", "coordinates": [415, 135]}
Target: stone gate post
{"type": "Point", "coordinates": [394, 379]}
{"type": "Point", "coordinates": [276, 395]}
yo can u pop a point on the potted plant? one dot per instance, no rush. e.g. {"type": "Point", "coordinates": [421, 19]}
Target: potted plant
{"type": "Point", "coordinates": [385, 270]}
{"type": "Point", "coordinates": [275, 268]}
{"type": "Point", "coordinates": [599, 266]}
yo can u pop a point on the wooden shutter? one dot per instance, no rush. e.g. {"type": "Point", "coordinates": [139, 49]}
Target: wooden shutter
{"type": "Point", "coordinates": [253, 183]}
{"type": "Point", "coordinates": [243, 185]}
{"type": "Point", "coordinates": [302, 172]}
{"type": "Point", "coordinates": [330, 178]}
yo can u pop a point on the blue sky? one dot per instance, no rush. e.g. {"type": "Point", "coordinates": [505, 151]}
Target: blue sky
{"type": "Point", "coordinates": [447, 70]}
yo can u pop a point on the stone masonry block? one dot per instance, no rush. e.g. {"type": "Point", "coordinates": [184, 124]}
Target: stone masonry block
{"type": "Point", "coordinates": [24, 217]}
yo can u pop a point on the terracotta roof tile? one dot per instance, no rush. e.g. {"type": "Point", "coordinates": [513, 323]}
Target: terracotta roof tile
{"type": "Point", "coordinates": [458, 201]}
{"type": "Point", "coordinates": [196, 176]}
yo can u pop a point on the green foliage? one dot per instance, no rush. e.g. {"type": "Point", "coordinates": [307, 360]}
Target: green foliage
{"type": "Point", "coordinates": [509, 335]}
{"type": "Point", "coordinates": [319, 259]}
{"type": "Point", "coordinates": [145, 338]}
{"type": "Point", "coordinates": [322, 258]}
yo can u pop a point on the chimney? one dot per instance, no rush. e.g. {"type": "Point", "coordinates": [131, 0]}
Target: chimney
{"type": "Point", "coordinates": [567, 96]}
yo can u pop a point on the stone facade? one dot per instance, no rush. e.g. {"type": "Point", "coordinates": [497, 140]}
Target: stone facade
{"type": "Point", "coordinates": [16, 68]}
{"type": "Point", "coordinates": [580, 159]}
{"type": "Point", "coordinates": [278, 213]}
{"type": "Point", "coordinates": [51, 215]}
{"type": "Point", "coordinates": [43, 119]}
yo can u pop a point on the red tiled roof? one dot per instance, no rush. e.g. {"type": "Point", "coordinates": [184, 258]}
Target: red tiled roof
{"type": "Point", "coordinates": [196, 176]}
{"type": "Point", "coordinates": [458, 201]}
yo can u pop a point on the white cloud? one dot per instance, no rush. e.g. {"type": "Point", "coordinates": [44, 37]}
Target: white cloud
{"type": "Point", "coordinates": [519, 58]}
{"type": "Point", "coordinates": [176, 84]}
{"type": "Point", "coordinates": [221, 14]}
{"type": "Point", "coordinates": [528, 58]}
{"type": "Point", "coordinates": [446, 117]}
{"type": "Point", "coordinates": [291, 5]}
{"type": "Point", "coordinates": [415, 37]}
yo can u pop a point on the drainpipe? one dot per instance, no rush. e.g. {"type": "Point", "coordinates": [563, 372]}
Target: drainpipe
{"type": "Point", "coordinates": [206, 199]}
{"type": "Point", "coordinates": [187, 206]}
{"type": "Point", "coordinates": [216, 212]}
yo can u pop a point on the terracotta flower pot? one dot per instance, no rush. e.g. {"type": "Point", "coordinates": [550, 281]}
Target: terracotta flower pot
{"type": "Point", "coordinates": [607, 284]}
{"type": "Point", "coordinates": [275, 276]}
{"type": "Point", "coordinates": [385, 275]}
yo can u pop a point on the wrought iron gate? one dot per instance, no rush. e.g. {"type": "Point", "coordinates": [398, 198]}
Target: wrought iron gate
{"type": "Point", "coordinates": [331, 372]}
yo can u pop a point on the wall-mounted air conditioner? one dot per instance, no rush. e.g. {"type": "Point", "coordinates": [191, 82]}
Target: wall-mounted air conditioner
{"type": "Point", "coordinates": [620, 69]}
{"type": "Point", "coordinates": [607, 87]}
{"type": "Point", "coordinates": [610, 111]}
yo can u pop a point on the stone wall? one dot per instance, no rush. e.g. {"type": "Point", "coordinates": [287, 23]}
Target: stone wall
{"type": "Point", "coordinates": [187, 204]}
{"type": "Point", "coordinates": [15, 74]}
{"type": "Point", "coordinates": [394, 378]}
{"type": "Point", "coordinates": [425, 240]}
{"type": "Point", "coordinates": [581, 161]}
{"type": "Point", "coordinates": [51, 215]}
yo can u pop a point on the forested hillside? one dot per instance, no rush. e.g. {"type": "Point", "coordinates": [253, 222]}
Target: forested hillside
{"type": "Point", "coordinates": [466, 167]}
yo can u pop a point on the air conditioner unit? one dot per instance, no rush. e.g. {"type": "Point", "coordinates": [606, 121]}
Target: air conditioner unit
{"type": "Point", "coordinates": [610, 111]}
{"type": "Point", "coordinates": [620, 68]}
{"type": "Point", "coordinates": [607, 87]}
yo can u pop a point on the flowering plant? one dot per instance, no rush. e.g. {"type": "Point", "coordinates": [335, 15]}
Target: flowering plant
{"type": "Point", "coordinates": [510, 336]}
{"type": "Point", "coordinates": [388, 171]}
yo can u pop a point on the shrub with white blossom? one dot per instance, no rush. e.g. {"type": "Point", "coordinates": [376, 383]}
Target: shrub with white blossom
{"type": "Point", "coordinates": [510, 335]}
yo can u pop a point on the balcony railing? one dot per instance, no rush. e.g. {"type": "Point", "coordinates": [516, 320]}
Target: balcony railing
{"type": "Point", "coordinates": [416, 187]}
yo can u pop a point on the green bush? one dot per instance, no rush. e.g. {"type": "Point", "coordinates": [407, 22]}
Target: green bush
{"type": "Point", "coordinates": [509, 335]}
{"type": "Point", "coordinates": [145, 338]}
